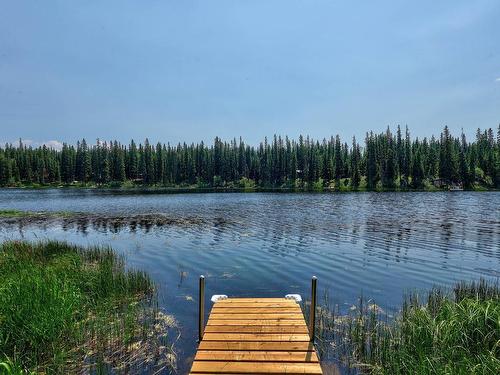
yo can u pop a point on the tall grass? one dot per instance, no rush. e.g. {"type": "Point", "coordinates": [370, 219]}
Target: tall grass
{"type": "Point", "coordinates": [69, 309]}
{"type": "Point", "coordinates": [437, 332]}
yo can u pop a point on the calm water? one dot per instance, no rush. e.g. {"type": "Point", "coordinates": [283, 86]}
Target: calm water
{"type": "Point", "coordinates": [270, 244]}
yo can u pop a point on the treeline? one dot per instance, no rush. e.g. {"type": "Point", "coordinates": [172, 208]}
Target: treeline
{"type": "Point", "coordinates": [385, 161]}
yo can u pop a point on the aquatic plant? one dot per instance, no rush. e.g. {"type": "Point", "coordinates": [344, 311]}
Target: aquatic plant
{"type": "Point", "coordinates": [436, 332]}
{"type": "Point", "coordinates": [69, 309]}
{"type": "Point", "coordinates": [11, 213]}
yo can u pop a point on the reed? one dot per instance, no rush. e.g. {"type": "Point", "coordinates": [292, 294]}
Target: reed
{"type": "Point", "coordinates": [67, 309]}
{"type": "Point", "coordinates": [441, 331]}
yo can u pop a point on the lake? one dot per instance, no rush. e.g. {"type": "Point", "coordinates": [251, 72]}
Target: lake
{"type": "Point", "coordinates": [270, 244]}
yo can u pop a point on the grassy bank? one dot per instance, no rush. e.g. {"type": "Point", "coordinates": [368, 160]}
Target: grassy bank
{"type": "Point", "coordinates": [438, 332]}
{"type": "Point", "coordinates": [66, 309]}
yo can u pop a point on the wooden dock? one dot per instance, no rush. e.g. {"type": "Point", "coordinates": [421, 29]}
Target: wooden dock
{"type": "Point", "coordinates": [256, 336]}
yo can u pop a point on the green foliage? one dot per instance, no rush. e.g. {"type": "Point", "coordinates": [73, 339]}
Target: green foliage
{"type": "Point", "coordinates": [217, 181]}
{"type": "Point", "coordinates": [8, 367]}
{"type": "Point", "coordinates": [318, 185]}
{"type": "Point", "coordinates": [58, 302]}
{"type": "Point", "coordinates": [386, 160]}
{"type": "Point", "coordinates": [246, 183]}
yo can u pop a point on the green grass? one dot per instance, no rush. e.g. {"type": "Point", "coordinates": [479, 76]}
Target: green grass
{"type": "Point", "coordinates": [438, 332]}
{"type": "Point", "coordinates": [66, 309]}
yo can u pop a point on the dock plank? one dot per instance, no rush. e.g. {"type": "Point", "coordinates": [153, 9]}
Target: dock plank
{"type": "Point", "coordinates": [257, 315]}
{"type": "Point", "coordinates": [256, 310]}
{"type": "Point", "coordinates": [222, 303]}
{"type": "Point", "coordinates": [256, 336]}
{"type": "Point", "coordinates": [224, 367]}
{"type": "Point", "coordinates": [256, 356]}
{"type": "Point", "coordinates": [256, 322]}
{"type": "Point", "coordinates": [256, 329]}
{"type": "Point", "coordinates": [300, 346]}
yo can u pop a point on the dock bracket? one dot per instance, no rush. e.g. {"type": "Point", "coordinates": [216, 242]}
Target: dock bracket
{"type": "Point", "coordinates": [218, 297]}
{"type": "Point", "coordinates": [296, 297]}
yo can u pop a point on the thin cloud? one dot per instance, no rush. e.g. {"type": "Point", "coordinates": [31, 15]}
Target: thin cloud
{"type": "Point", "coordinates": [56, 145]}
{"type": "Point", "coordinates": [497, 80]}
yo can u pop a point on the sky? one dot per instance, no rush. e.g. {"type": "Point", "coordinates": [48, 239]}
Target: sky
{"type": "Point", "coordinates": [185, 70]}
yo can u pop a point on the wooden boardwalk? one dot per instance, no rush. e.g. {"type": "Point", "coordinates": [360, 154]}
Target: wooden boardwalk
{"type": "Point", "coordinates": [256, 336]}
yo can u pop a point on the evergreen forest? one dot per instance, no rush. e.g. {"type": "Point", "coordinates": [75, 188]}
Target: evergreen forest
{"type": "Point", "coordinates": [385, 161]}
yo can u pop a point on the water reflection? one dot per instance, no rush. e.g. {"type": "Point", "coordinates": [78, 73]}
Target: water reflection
{"type": "Point", "coordinates": [384, 227]}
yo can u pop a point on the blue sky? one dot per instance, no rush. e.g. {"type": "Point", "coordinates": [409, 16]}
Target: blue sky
{"type": "Point", "coordinates": [190, 70]}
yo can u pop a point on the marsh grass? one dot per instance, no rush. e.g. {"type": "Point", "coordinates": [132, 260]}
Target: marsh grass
{"type": "Point", "coordinates": [441, 331]}
{"type": "Point", "coordinates": [67, 309]}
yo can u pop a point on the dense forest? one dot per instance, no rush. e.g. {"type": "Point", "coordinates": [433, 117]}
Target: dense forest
{"type": "Point", "coordinates": [385, 161]}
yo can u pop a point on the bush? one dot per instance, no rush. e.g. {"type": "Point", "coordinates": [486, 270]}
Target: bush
{"type": "Point", "coordinates": [246, 183]}
{"type": "Point", "coordinates": [318, 185]}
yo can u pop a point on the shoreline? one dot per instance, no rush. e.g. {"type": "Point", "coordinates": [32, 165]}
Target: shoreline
{"type": "Point", "coordinates": [195, 189]}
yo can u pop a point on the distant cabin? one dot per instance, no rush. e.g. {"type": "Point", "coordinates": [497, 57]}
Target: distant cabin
{"type": "Point", "coordinates": [443, 183]}
{"type": "Point", "coordinates": [440, 182]}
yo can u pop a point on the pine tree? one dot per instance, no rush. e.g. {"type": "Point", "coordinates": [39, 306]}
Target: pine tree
{"type": "Point", "coordinates": [407, 162]}
{"type": "Point", "coordinates": [464, 169]}
{"type": "Point", "coordinates": [118, 162]}
{"type": "Point", "coordinates": [417, 168]}
{"type": "Point", "coordinates": [447, 158]}
{"type": "Point", "coordinates": [371, 166]}
{"type": "Point", "coordinates": [148, 163]}
{"type": "Point", "coordinates": [496, 174]}
{"type": "Point", "coordinates": [67, 172]}
{"type": "Point", "coordinates": [338, 162]}
{"type": "Point", "coordinates": [388, 166]}
{"type": "Point", "coordinates": [400, 155]}
{"type": "Point", "coordinates": [5, 171]}
{"type": "Point", "coordinates": [160, 161]}
{"type": "Point", "coordinates": [105, 164]}
{"type": "Point", "coordinates": [133, 162]}
{"type": "Point", "coordinates": [355, 174]}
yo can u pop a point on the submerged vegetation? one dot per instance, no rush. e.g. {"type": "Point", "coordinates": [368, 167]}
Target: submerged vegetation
{"type": "Point", "coordinates": [13, 213]}
{"type": "Point", "coordinates": [386, 162]}
{"type": "Point", "coordinates": [98, 220]}
{"type": "Point", "coordinates": [9, 213]}
{"type": "Point", "coordinates": [66, 309]}
{"type": "Point", "coordinates": [439, 332]}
